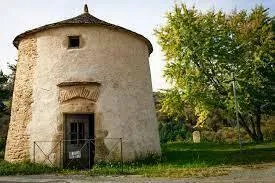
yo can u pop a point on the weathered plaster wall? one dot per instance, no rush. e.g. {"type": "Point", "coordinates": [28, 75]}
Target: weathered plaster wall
{"type": "Point", "coordinates": [17, 148]}
{"type": "Point", "coordinates": [119, 62]}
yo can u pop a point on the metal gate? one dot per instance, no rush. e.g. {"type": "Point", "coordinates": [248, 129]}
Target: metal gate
{"type": "Point", "coordinates": [82, 156]}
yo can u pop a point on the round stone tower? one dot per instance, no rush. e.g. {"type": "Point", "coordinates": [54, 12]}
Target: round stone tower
{"type": "Point", "coordinates": [78, 79]}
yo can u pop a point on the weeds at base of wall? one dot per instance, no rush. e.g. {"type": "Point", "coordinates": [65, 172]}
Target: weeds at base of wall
{"type": "Point", "coordinates": [116, 168]}
{"type": "Point", "coordinates": [109, 168]}
{"type": "Point", "coordinates": [24, 168]}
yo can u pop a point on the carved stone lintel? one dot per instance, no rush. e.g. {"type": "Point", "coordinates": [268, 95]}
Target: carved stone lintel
{"type": "Point", "coordinates": [78, 83]}
{"type": "Point", "coordinates": [89, 91]}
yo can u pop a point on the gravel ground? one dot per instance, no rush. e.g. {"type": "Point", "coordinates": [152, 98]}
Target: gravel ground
{"type": "Point", "coordinates": [259, 173]}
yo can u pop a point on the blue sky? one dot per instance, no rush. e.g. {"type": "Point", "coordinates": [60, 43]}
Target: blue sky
{"type": "Point", "coordinates": [141, 16]}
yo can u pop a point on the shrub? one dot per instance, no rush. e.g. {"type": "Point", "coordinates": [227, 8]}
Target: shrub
{"type": "Point", "coordinates": [224, 135]}
{"type": "Point", "coordinates": [173, 131]}
{"type": "Point", "coordinates": [269, 134]}
{"type": "Point", "coordinates": [208, 136]}
{"type": "Point", "coordinates": [268, 128]}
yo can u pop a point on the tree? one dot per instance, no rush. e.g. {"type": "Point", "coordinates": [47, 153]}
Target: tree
{"type": "Point", "coordinates": [11, 80]}
{"type": "Point", "coordinates": [4, 92]}
{"type": "Point", "coordinates": [173, 126]}
{"type": "Point", "coordinates": [204, 50]}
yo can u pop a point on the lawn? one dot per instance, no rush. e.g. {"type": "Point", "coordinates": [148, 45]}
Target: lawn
{"type": "Point", "coordinates": [178, 160]}
{"type": "Point", "coordinates": [205, 159]}
{"type": "Point", "coordinates": [212, 154]}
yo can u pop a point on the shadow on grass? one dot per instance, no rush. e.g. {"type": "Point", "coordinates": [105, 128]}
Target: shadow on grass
{"type": "Point", "coordinates": [210, 154]}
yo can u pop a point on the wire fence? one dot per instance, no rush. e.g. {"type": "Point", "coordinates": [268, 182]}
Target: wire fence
{"type": "Point", "coordinates": [79, 153]}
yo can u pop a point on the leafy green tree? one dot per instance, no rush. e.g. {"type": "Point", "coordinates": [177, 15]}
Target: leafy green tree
{"type": "Point", "coordinates": [204, 51]}
{"type": "Point", "coordinates": [4, 91]}
{"type": "Point", "coordinates": [173, 126]}
{"type": "Point", "coordinates": [11, 80]}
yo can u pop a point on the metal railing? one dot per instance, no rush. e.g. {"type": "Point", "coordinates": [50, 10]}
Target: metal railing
{"type": "Point", "coordinates": [78, 154]}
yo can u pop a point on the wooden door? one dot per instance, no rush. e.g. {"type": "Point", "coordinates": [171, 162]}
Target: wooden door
{"type": "Point", "coordinates": [79, 143]}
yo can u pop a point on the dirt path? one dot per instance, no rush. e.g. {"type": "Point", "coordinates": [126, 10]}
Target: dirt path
{"type": "Point", "coordinates": [259, 173]}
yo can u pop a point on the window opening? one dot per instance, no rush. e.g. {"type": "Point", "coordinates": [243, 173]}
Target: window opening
{"type": "Point", "coordinates": [73, 42]}
{"type": "Point", "coordinates": [77, 133]}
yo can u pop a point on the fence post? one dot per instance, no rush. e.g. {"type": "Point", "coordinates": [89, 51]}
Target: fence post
{"type": "Point", "coordinates": [60, 152]}
{"type": "Point", "coordinates": [121, 155]}
{"type": "Point", "coordinates": [89, 151]}
{"type": "Point", "coordinates": [34, 152]}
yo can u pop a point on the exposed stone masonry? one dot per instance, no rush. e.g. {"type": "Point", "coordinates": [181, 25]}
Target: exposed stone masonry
{"type": "Point", "coordinates": [17, 148]}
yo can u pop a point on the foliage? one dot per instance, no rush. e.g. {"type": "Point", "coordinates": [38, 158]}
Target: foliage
{"type": "Point", "coordinates": [173, 131]}
{"type": "Point", "coordinates": [2, 144]}
{"type": "Point", "coordinates": [6, 84]}
{"type": "Point", "coordinates": [6, 90]}
{"type": "Point", "coordinates": [224, 135]}
{"type": "Point", "coordinates": [206, 52]}
{"type": "Point", "coordinates": [5, 96]}
{"type": "Point", "coordinates": [173, 126]}
{"type": "Point", "coordinates": [181, 111]}
{"type": "Point", "coordinates": [24, 168]}
{"type": "Point", "coordinates": [268, 127]}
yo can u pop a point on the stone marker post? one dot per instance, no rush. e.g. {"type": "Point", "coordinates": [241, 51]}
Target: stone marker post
{"type": "Point", "coordinates": [196, 137]}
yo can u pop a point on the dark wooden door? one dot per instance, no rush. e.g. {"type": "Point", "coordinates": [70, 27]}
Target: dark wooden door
{"type": "Point", "coordinates": [79, 143]}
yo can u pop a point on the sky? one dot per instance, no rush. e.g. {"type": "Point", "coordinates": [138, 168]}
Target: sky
{"type": "Point", "coordinates": [141, 16]}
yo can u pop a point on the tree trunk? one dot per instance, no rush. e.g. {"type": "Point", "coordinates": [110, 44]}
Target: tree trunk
{"type": "Point", "coordinates": [243, 124]}
{"type": "Point", "coordinates": [255, 133]}
{"type": "Point", "coordinates": [258, 125]}
{"type": "Point", "coordinates": [253, 125]}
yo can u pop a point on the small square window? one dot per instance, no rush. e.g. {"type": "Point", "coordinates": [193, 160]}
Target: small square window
{"type": "Point", "coordinates": [73, 42]}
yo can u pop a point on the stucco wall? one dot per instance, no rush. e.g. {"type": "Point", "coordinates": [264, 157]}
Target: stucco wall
{"type": "Point", "coordinates": [116, 60]}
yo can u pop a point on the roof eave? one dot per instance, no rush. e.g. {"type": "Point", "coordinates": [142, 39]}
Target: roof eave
{"type": "Point", "coordinates": [18, 38]}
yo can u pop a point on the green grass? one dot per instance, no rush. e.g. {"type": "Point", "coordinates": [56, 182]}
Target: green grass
{"type": "Point", "coordinates": [211, 154]}
{"type": "Point", "coordinates": [24, 168]}
{"type": "Point", "coordinates": [178, 160]}
{"type": "Point", "coordinates": [188, 159]}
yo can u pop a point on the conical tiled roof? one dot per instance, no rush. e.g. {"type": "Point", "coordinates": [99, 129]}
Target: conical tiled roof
{"type": "Point", "coordinates": [84, 19]}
